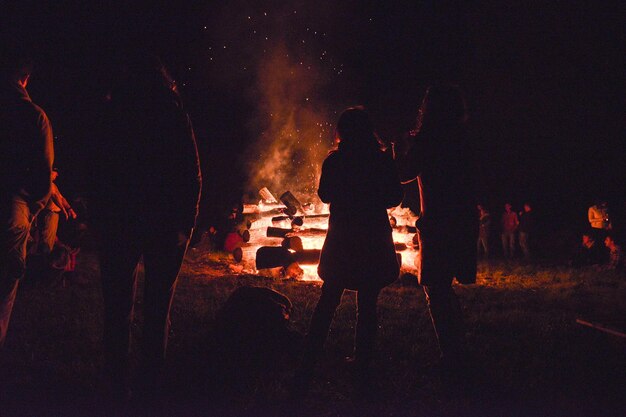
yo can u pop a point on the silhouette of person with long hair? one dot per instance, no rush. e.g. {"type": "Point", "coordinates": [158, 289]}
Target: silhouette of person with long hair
{"type": "Point", "coordinates": [146, 190]}
{"type": "Point", "coordinates": [360, 182]}
{"type": "Point", "coordinates": [440, 159]}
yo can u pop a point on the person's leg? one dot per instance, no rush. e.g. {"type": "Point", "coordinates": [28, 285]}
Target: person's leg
{"type": "Point", "coordinates": [48, 230]}
{"type": "Point", "coordinates": [445, 313]}
{"type": "Point", "coordinates": [486, 245]}
{"type": "Point", "coordinates": [366, 326]}
{"type": "Point", "coordinates": [316, 337]}
{"type": "Point", "coordinates": [119, 255]}
{"type": "Point", "coordinates": [512, 244]}
{"type": "Point", "coordinates": [163, 259]}
{"type": "Point", "coordinates": [320, 321]}
{"type": "Point", "coordinates": [15, 227]}
{"type": "Point", "coordinates": [523, 243]}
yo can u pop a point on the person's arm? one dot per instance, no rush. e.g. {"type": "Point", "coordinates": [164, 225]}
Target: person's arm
{"type": "Point", "coordinates": [42, 158]}
{"type": "Point", "coordinates": [410, 165]}
{"type": "Point", "coordinates": [391, 182]}
{"type": "Point", "coordinates": [327, 188]}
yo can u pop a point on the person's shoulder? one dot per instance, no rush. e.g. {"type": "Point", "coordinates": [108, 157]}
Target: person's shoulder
{"type": "Point", "coordinates": [34, 112]}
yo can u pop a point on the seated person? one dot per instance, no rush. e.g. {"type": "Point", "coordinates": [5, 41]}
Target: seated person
{"type": "Point", "coordinates": [589, 253]}
{"type": "Point", "coordinates": [616, 255]}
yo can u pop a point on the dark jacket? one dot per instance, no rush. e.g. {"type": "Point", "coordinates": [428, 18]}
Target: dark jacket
{"type": "Point", "coordinates": [448, 228]}
{"type": "Point", "coordinates": [359, 250]}
{"type": "Point", "coordinates": [26, 148]}
{"type": "Point", "coordinates": [146, 163]}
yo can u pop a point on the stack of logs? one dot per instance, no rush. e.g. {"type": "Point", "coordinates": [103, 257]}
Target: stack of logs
{"type": "Point", "coordinates": [291, 250]}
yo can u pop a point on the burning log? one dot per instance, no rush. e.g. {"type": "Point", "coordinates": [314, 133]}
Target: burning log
{"type": "Point", "coordinates": [267, 196]}
{"type": "Point", "coordinates": [276, 256]}
{"type": "Point", "coordinates": [278, 232]}
{"type": "Point", "coordinates": [278, 219]}
{"type": "Point", "coordinates": [400, 246]}
{"type": "Point", "coordinates": [293, 243]}
{"type": "Point", "coordinates": [291, 202]}
{"type": "Point", "coordinates": [281, 232]}
{"type": "Point", "coordinates": [273, 257]}
{"type": "Point", "coordinates": [308, 256]}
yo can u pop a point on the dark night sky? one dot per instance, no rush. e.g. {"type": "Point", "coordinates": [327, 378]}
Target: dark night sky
{"type": "Point", "coordinates": [544, 83]}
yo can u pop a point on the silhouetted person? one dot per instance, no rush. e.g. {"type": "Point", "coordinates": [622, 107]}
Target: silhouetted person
{"type": "Point", "coordinates": [484, 229]}
{"type": "Point", "coordinates": [509, 223]}
{"type": "Point", "coordinates": [26, 156]}
{"type": "Point", "coordinates": [440, 158]}
{"type": "Point", "coordinates": [590, 252]}
{"type": "Point", "coordinates": [146, 191]}
{"type": "Point", "coordinates": [360, 182]}
{"type": "Point", "coordinates": [526, 229]}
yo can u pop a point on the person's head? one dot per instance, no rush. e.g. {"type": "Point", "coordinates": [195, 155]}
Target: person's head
{"type": "Point", "coordinates": [137, 74]}
{"type": "Point", "coordinates": [527, 207]}
{"type": "Point", "coordinates": [507, 207]}
{"type": "Point", "coordinates": [443, 105]}
{"type": "Point", "coordinates": [15, 66]}
{"type": "Point", "coordinates": [609, 242]}
{"type": "Point", "coordinates": [588, 240]}
{"type": "Point", "coordinates": [355, 130]}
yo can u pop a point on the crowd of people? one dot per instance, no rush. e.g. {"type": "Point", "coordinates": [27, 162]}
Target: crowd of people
{"type": "Point", "coordinates": [520, 234]}
{"type": "Point", "coordinates": [148, 210]}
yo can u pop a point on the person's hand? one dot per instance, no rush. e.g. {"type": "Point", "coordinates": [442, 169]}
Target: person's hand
{"type": "Point", "coordinates": [64, 211]}
{"type": "Point", "coordinates": [71, 214]}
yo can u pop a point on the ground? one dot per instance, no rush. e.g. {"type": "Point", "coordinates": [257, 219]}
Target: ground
{"type": "Point", "coordinates": [528, 355]}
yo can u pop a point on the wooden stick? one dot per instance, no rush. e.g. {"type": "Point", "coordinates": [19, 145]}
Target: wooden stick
{"type": "Point", "coordinates": [601, 328]}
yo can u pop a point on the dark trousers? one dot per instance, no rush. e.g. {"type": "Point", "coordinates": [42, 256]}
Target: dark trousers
{"type": "Point", "coordinates": [323, 316]}
{"type": "Point", "coordinates": [162, 258]}
{"type": "Point", "coordinates": [445, 313]}
{"type": "Point", "coordinates": [14, 231]}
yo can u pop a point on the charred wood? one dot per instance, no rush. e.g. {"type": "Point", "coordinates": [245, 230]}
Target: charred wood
{"type": "Point", "coordinates": [273, 257]}
{"type": "Point", "coordinates": [291, 203]}
{"type": "Point", "coordinates": [281, 232]}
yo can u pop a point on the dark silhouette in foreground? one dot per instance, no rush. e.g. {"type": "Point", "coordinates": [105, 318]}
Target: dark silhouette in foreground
{"type": "Point", "coordinates": [359, 181]}
{"type": "Point", "coordinates": [440, 159]}
{"type": "Point", "coordinates": [146, 184]}
{"type": "Point", "coordinates": [26, 157]}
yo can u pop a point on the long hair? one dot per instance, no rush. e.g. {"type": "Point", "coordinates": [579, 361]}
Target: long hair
{"type": "Point", "coordinates": [355, 131]}
{"type": "Point", "coordinates": [443, 105]}
{"type": "Point", "coordinates": [141, 76]}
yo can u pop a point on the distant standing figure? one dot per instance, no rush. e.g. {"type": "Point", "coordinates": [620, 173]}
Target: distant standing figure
{"type": "Point", "coordinates": [147, 187]}
{"type": "Point", "coordinates": [48, 219]}
{"type": "Point", "coordinates": [509, 223]}
{"type": "Point", "coordinates": [26, 157]}
{"type": "Point", "coordinates": [360, 182]}
{"type": "Point", "coordinates": [526, 228]}
{"type": "Point", "coordinates": [440, 159]}
{"type": "Point", "coordinates": [484, 228]}
{"type": "Point", "coordinates": [598, 216]}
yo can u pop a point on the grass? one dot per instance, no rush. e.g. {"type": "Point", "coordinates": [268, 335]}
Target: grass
{"type": "Point", "coordinates": [529, 355]}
